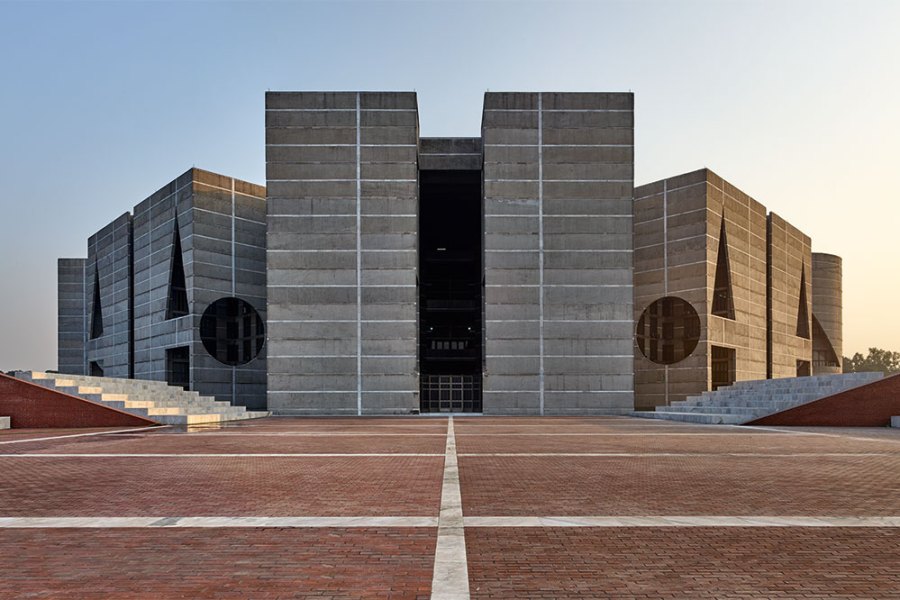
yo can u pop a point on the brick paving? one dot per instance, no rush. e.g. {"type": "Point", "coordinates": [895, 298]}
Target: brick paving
{"type": "Point", "coordinates": [7, 435]}
{"type": "Point", "coordinates": [242, 443]}
{"type": "Point", "coordinates": [669, 563]}
{"type": "Point", "coordinates": [737, 442]}
{"type": "Point", "coordinates": [791, 473]}
{"type": "Point", "coordinates": [185, 486]}
{"type": "Point", "coordinates": [216, 563]}
{"type": "Point", "coordinates": [731, 485]}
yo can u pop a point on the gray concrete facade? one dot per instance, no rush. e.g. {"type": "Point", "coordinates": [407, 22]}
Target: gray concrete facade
{"type": "Point", "coordinates": [219, 224]}
{"type": "Point", "coordinates": [71, 315]}
{"type": "Point", "coordinates": [342, 187]}
{"type": "Point", "coordinates": [789, 261]}
{"type": "Point", "coordinates": [108, 284]}
{"type": "Point", "coordinates": [748, 274]}
{"type": "Point", "coordinates": [827, 317]}
{"type": "Point", "coordinates": [685, 228]}
{"type": "Point", "coordinates": [221, 229]}
{"type": "Point", "coordinates": [519, 272]}
{"type": "Point", "coordinates": [558, 184]}
{"type": "Point", "coordinates": [342, 181]}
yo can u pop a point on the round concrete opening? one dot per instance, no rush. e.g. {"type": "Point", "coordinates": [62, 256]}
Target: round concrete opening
{"type": "Point", "coordinates": [668, 330]}
{"type": "Point", "coordinates": [232, 331]}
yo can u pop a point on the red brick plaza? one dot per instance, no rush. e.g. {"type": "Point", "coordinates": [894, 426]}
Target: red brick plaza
{"type": "Point", "coordinates": [473, 507]}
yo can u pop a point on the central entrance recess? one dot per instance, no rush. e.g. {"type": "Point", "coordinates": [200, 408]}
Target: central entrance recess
{"type": "Point", "coordinates": [451, 285]}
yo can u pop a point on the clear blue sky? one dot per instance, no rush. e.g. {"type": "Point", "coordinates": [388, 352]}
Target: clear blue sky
{"type": "Point", "coordinates": [795, 102]}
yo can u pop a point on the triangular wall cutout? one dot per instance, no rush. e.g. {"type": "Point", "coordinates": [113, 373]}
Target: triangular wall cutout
{"type": "Point", "coordinates": [723, 299]}
{"type": "Point", "coordinates": [177, 305]}
{"type": "Point", "coordinates": [822, 345]}
{"type": "Point", "coordinates": [97, 311]}
{"type": "Point", "coordinates": [803, 310]}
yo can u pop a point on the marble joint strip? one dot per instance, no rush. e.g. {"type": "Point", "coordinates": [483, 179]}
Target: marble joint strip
{"type": "Point", "coordinates": [451, 572]}
{"type": "Point", "coordinates": [211, 522]}
{"type": "Point", "coordinates": [684, 521]}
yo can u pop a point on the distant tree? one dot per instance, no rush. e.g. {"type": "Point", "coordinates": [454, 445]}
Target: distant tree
{"type": "Point", "coordinates": [876, 360]}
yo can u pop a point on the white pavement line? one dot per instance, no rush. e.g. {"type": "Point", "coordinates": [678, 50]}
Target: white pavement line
{"type": "Point", "coordinates": [673, 454]}
{"type": "Point", "coordinates": [75, 435]}
{"type": "Point", "coordinates": [451, 571]}
{"type": "Point", "coordinates": [684, 521]}
{"type": "Point", "coordinates": [643, 434]}
{"type": "Point", "coordinates": [309, 434]}
{"type": "Point", "coordinates": [121, 522]}
{"type": "Point", "coordinates": [219, 455]}
{"type": "Point", "coordinates": [819, 433]}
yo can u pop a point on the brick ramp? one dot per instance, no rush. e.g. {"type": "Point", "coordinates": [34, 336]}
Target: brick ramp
{"type": "Point", "coordinates": [869, 405]}
{"type": "Point", "coordinates": [34, 406]}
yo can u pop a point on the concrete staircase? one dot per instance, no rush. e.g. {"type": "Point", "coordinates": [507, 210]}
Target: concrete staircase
{"type": "Point", "coordinates": [154, 400]}
{"type": "Point", "coordinates": [745, 401]}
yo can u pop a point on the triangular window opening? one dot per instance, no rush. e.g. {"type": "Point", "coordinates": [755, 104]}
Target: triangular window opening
{"type": "Point", "coordinates": [803, 311]}
{"type": "Point", "coordinates": [723, 299]}
{"type": "Point", "coordinates": [823, 351]}
{"type": "Point", "coordinates": [97, 311]}
{"type": "Point", "coordinates": [177, 305]}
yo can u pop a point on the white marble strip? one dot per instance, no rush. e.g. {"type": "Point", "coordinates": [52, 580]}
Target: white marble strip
{"type": "Point", "coordinates": [677, 454]}
{"type": "Point", "coordinates": [358, 180]}
{"type": "Point", "coordinates": [312, 434]}
{"type": "Point", "coordinates": [331, 110]}
{"type": "Point", "coordinates": [366, 434]}
{"type": "Point", "coordinates": [541, 317]}
{"type": "Point", "coordinates": [684, 521]}
{"type": "Point", "coordinates": [359, 369]}
{"type": "Point", "coordinates": [116, 522]}
{"type": "Point", "coordinates": [524, 521]}
{"type": "Point", "coordinates": [227, 455]}
{"type": "Point", "coordinates": [75, 435]}
{"type": "Point", "coordinates": [791, 431]}
{"type": "Point", "coordinates": [585, 434]}
{"type": "Point", "coordinates": [451, 573]}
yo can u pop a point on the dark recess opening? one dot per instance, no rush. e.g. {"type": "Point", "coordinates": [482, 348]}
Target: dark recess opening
{"type": "Point", "coordinates": [232, 331]}
{"type": "Point", "coordinates": [97, 308]}
{"type": "Point", "coordinates": [722, 366]}
{"type": "Point", "coordinates": [802, 310]}
{"type": "Point", "coordinates": [178, 367]}
{"type": "Point", "coordinates": [723, 299]}
{"type": "Point", "coordinates": [450, 290]}
{"type": "Point", "coordinates": [803, 368]}
{"type": "Point", "coordinates": [96, 369]}
{"type": "Point", "coordinates": [177, 305]}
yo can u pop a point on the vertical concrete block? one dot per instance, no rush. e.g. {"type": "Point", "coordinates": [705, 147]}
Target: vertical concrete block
{"type": "Point", "coordinates": [342, 189]}
{"type": "Point", "coordinates": [558, 183]}
{"type": "Point", "coordinates": [71, 315]}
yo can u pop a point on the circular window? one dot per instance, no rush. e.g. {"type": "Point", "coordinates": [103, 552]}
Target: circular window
{"type": "Point", "coordinates": [668, 330]}
{"type": "Point", "coordinates": [232, 331]}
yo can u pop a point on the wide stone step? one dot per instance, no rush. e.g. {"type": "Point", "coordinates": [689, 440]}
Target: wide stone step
{"type": "Point", "coordinates": [151, 399]}
{"type": "Point", "coordinates": [748, 400]}
{"type": "Point", "coordinates": [701, 418]}
{"type": "Point", "coordinates": [172, 408]}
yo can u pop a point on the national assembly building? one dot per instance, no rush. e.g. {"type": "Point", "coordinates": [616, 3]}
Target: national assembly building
{"type": "Point", "coordinates": [516, 273]}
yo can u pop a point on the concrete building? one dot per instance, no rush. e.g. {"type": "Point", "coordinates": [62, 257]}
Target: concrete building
{"type": "Point", "coordinates": [827, 314]}
{"type": "Point", "coordinates": [175, 292]}
{"type": "Point", "coordinates": [518, 272]}
{"type": "Point", "coordinates": [722, 290]}
{"type": "Point", "coordinates": [72, 320]}
{"type": "Point", "coordinates": [789, 291]}
{"type": "Point", "coordinates": [490, 222]}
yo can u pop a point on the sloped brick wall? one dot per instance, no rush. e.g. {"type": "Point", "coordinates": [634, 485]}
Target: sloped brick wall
{"type": "Point", "coordinates": [32, 406]}
{"type": "Point", "coordinates": [870, 405]}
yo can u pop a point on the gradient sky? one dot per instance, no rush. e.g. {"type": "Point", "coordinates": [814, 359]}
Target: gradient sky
{"type": "Point", "coordinates": [795, 102]}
